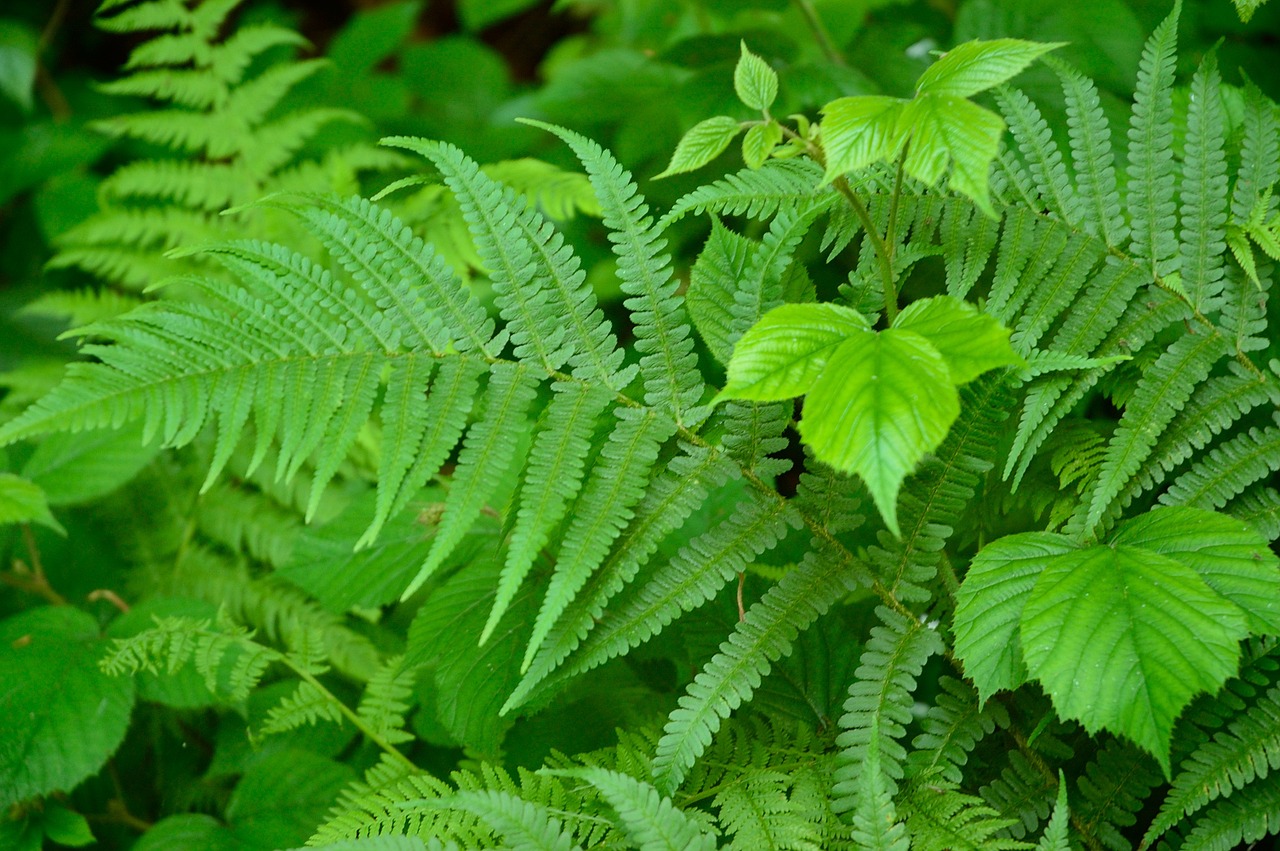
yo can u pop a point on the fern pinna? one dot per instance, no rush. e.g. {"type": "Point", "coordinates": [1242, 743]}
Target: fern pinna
{"type": "Point", "coordinates": [951, 606]}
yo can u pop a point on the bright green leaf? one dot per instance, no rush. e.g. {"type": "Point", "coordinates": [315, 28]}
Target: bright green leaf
{"type": "Point", "coordinates": [76, 467]}
{"type": "Point", "coordinates": [18, 48]}
{"type": "Point", "coordinates": [188, 832]}
{"type": "Point", "coordinates": [283, 796]}
{"type": "Point", "coordinates": [1227, 553]}
{"type": "Point", "coordinates": [66, 827]}
{"type": "Point", "coordinates": [970, 341]}
{"type": "Point", "coordinates": [754, 81]}
{"type": "Point", "coordinates": [759, 143]}
{"type": "Point", "coordinates": [22, 501]}
{"type": "Point", "coordinates": [1122, 638]}
{"type": "Point", "coordinates": [782, 355]}
{"type": "Point", "coordinates": [976, 66]}
{"type": "Point", "coordinates": [66, 716]}
{"type": "Point", "coordinates": [989, 607]}
{"type": "Point", "coordinates": [1055, 836]}
{"type": "Point", "coordinates": [882, 402]}
{"type": "Point", "coordinates": [478, 14]}
{"type": "Point", "coordinates": [859, 131]}
{"type": "Point", "coordinates": [946, 129]}
{"type": "Point", "coordinates": [705, 141]}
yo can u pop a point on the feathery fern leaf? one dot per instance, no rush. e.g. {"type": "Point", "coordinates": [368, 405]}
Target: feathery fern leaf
{"type": "Point", "coordinates": [879, 705]}
{"type": "Point", "coordinates": [733, 674]}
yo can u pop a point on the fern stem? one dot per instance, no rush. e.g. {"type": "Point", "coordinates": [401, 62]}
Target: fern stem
{"type": "Point", "coordinates": [369, 733]}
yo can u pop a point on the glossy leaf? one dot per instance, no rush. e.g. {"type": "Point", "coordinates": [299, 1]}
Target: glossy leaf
{"type": "Point", "coordinates": [1227, 553]}
{"type": "Point", "coordinates": [945, 129]}
{"type": "Point", "coordinates": [881, 403]}
{"type": "Point", "coordinates": [754, 81]}
{"type": "Point", "coordinates": [859, 131]}
{"type": "Point", "coordinates": [989, 607]}
{"type": "Point", "coordinates": [1122, 638]}
{"type": "Point", "coordinates": [705, 141]}
{"type": "Point", "coordinates": [759, 143]}
{"type": "Point", "coordinates": [975, 66]}
{"type": "Point", "coordinates": [783, 354]}
{"type": "Point", "coordinates": [970, 341]}
{"type": "Point", "coordinates": [22, 501]}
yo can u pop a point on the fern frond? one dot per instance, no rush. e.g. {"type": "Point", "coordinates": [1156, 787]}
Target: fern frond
{"type": "Point", "coordinates": [1161, 393]}
{"type": "Point", "coordinates": [830, 498]}
{"type": "Point", "coordinates": [554, 476]}
{"type": "Point", "coordinates": [875, 819]}
{"type": "Point", "coordinates": [1259, 155]}
{"type": "Point", "coordinates": [754, 193]}
{"type": "Point", "coordinates": [1021, 792]}
{"type": "Point", "coordinates": [1151, 168]}
{"type": "Point", "coordinates": [663, 337]}
{"type": "Point", "coordinates": [671, 497]}
{"type": "Point", "coordinates": [941, 819]}
{"type": "Point", "coordinates": [523, 825]}
{"type": "Point", "coordinates": [748, 654]}
{"type": "Point", "coordinates": [306, 705]}
{"type": "Point", "coordinates": [1035, 143]}
{"type": "Point", "coordinates": [487, 452]}
{"type": "Point", "coordinates": [879, 704]}
{"type": "Point", "coordinates": [1227, 470]}
{"type": "Point", "coordinates": [1204, 192]}
{"type": "Point", "coordinates": [650, 820]}
{"type": "Point", "coordinates": [968, 238]}
{"type": "Point", "coordinates": [1092, 157]}
{"type": "Point", "coordinates": [1113, 788]}
{"type": "Point", "coordinates": [387, 698]}
{"type": "Point", "coordinates": [754, 433]}
{"type": "Point", "coordinates": [1247, 817]}
{"type": "Point", "coordinates": [691, 578]}
{"type": "Point", "coordinates": [760, 288]}
{"type": "Point", "coordinates": [615, 485]}
{"type": "Point", "coordinates": [950, 729]}
{"type": "Point", "coordinates": [541, 288]}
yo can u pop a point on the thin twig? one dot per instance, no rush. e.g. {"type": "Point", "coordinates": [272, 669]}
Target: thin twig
{"type": "Point", "coordinates": [820, 33]}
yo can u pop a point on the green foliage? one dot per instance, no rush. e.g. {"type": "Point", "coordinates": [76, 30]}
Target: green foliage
{"type": "Point", "coordinates": [909, 481]}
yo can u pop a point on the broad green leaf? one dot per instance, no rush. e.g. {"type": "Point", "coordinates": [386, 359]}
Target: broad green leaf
{"type": "Point", "coordinates": [75, 467]}
{"type": "Point", "coordinates": [782, 355]}
{"type": "Point", "coordinates": [947, 129]}
{"type": "Point", "coordinates": [18, 48]}
{"type": "Point", "coordinates": [859, 131]}
{"type": "Point", "coordinates": [759, 143]}
{"type": "Point", "coordinates": [283, 796]}
{"type": "Point", "coordinates": [705, 141]}
{"type": "Point", "coordinates": [1122, 638]}
{"type": "Point", "coordinates": [970, 341]}
{"type": "Point", "coordinates": [989, 607]}
{"type": "Point", "coordinates": [188, 832]}
{"type": "Point", "coordinates": [754, 81]}
{"type": "Point", "coordinates": [22, 501]}
{"type": "Point", "coordinates": [66, 716]}
{"type": "Point", "coordinates": [66, 827]}
{"type": "Point", "coordinates": [1227, 553]}
{"type": "Point", "coordinates": [976, 66]}
{"type": "Point", "coordinates": [882, 402]}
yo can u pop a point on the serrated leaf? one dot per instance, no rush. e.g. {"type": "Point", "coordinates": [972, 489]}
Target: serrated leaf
{"type": "Point", "coordinates": [1227, 553]}
{"type": "Point", "coordinates": [705, 141]}
{"type": "Point", "coordinates": [989, 607]}
{"type": "Point", "coordinates": [759, 143]}
{"type": "Point", "coordinates": [976, 66]}
{"type": "Point", "coordinates": [947, 129]}
{"type": "Point", "coordinates": [782, 355]}
{"type": "Point", "coordinates": [970, 341]}
{"type": "Point", "coordinates": [22, 501]}
{"type": "Point", "coordinates": [1122, 638]}
{"type": "Point", "coordinates": [66, 716]}
{"type": "Point", "coordinates": [859, 131]}
{"type": "Point", "coordinates": [754, 81]}
{"type": "Point", "coordinates": [882, 401]}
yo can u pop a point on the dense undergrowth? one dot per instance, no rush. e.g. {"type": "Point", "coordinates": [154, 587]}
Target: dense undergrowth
{"type": "Point", "coordinates": [781, 426]}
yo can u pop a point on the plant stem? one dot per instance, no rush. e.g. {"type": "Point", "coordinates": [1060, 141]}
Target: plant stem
{"type": "Point", "coordinates": [883, 254]}
{"type": "Point", "coordinates": [820, 33]}
{"type": "Point", "coordinates": [368, 732]}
